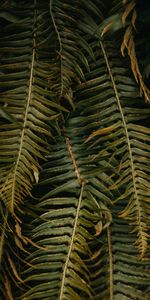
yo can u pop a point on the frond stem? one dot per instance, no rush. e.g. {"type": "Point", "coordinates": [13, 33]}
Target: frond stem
{"type": "Point", "coordinates": [29, 100]}
{"type": "Point", "coordinates": [60, 48]}
{"type": "Point", "coordinates": [74, 161]}
{"type": "Point", "coordinates": [71, 244]}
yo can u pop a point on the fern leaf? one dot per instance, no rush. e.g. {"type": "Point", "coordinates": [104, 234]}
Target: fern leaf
{"type": "Point", "coordinates": [115, 259]}
{"type": "Point", "coordinates": [27, 97]}
{"type": "Point", "coordinates": [63, 231]}
{"type": "Point", "coordinates": [69, 61]}
{"type": "Point", "coordinates": [70, 211]}
{"type": "Point", "coordinates": [109, 98]}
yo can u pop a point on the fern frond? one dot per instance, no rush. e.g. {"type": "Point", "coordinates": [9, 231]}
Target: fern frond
{"type": "Point", "coordinates": [137, 206]}
{"type": "Point", "coordinates": [76, 201]}
{"type": "Point", "coordinates": [79, 236]}
{"type": "Point", "coordinates": [129, 44]}
{"type": "Point", "coordinates": [69, 61]}
{"type": "Point", "coordinates": [116, 272]}
{"type": "Point", "coordinates": [25, 93]}
{"type": "Point", "coordinates": [123, 15]}
{"type": "Point", "coordinates": [129, 18]}
{"type": "Point", "coordinates": [69, 212]}
{"type": "Point", "coordinates": [113, 105]}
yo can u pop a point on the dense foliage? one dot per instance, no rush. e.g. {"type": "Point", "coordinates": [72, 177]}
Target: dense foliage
{"type": "Point", "coordinates": [74, 149]}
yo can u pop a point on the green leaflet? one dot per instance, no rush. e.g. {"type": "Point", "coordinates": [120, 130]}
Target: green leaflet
{"type": "Point", "coordinates": [6, 116]}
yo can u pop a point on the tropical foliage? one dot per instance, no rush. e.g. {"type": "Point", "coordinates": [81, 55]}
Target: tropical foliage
{"type": "Point", "coordinates": [74, 149]}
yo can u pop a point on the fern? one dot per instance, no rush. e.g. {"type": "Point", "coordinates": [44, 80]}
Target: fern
{"type": "Point", "coordinates": [116, 272]}
{"type": "Point", "coordinates": [69, 61]}
{"type": "Point", "coordinates": [75, 128]}
{"type": "Point", "coordinates": [27, 97]}
{"type": "Point", "coordinates": [69, 212]}
{"type": "Point", "coordinates": [115, 111]}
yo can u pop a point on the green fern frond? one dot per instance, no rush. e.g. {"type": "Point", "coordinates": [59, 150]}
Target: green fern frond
{"type": "Point", "coordinates": [116, 272]}
{"type": "Point", "coordinates": [137, 209]}
{"type": "Point", "coordinates": [84, 231]}
{"type": "Point", "coordinates": [114, 110]}
{"type": "Point", "coordinates": [69, 212]}
{"type": "Point", "coordinates": [26, 95]}
{"type": "Point", "coordinates": [69, 62]}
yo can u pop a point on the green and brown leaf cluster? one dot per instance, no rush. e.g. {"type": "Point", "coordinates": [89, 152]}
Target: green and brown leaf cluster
{"type": "Point", "coordinates": [74, 150]}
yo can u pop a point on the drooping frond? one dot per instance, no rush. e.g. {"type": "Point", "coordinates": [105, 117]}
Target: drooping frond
{"type": "Point", "coordinates": [69, 213]}
{"type": "Point", "coordinates": [123, 15]}
{"type": "Point", "coordinates": [129, 44]}
{"type": "Point", "coordinates": [69, 61]}
{"type": "Point", "coordinates": [84, 233]}
{"type": "Point", "coordinates": [114, 95]}
{"type": "Point", "coordinates": [25, 94]}
{"type": "Point", "coordinates": [129, 13]}
{"type": "Point", "coordinates": [135, 136]}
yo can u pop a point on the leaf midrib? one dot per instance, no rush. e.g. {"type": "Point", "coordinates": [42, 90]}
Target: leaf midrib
{"type": "Point", "coordinates": [71, 244]}
{"type": "Point", "coordinates": [60, 50]}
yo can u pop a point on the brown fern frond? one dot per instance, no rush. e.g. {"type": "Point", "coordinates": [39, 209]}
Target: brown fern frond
{"type": "Point", "coordinates": [129, 44]}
